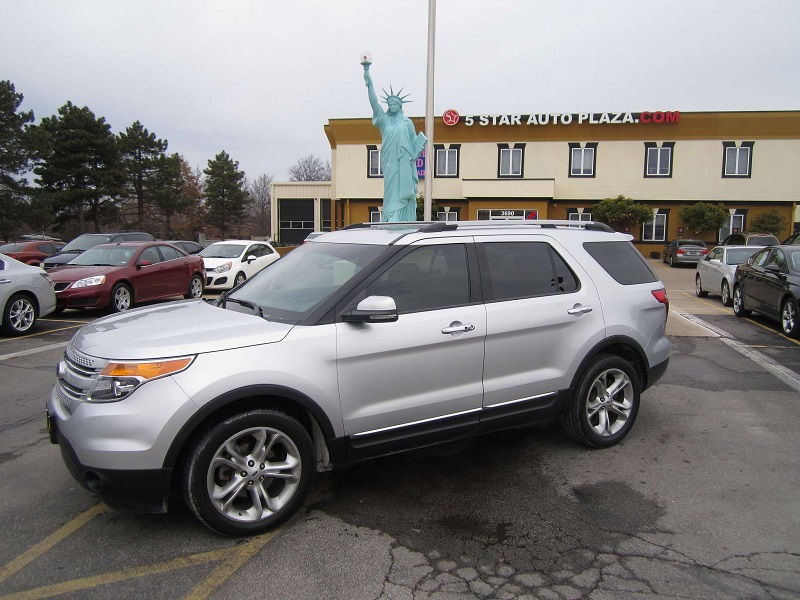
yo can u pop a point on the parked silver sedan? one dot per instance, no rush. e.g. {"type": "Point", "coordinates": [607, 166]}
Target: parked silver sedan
{"type": "Point", "coordinates": [25, 295]}
{"type": "Point", "coordinates": [716, 272]}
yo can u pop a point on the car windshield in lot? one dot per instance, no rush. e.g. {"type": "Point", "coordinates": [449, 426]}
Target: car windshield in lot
{"type": "Point", "coordinates": [15, 247]}
{"type": "Point", "coordinates": [737, 256]}
{"type": "Point", "coordinates": [222, 251]}
{"type": "Point", "coordinates": [289, 289]}
{"type": "Point", "coordinates": [762, 240]}
{"type": "Point", "coordinates": [84, 242]}
{"type": "Point", "coordinates": [115, 256]}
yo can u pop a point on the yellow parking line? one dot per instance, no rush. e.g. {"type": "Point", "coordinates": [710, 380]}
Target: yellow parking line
{"type": "Point", "coordinates": [714, 306]}
{"type": "Point", "coordinates": [24, 337]}
{"type": "Point", "coordinates": [51, 540]}
{"type": "Point", "coordinates": [771, 330]}
{"type": "Point", "coordinates": [221, 574]}
{"type": "Point", "coordinates": [84, 583]}
{"type": "Point", "coordinates": [64, 321]}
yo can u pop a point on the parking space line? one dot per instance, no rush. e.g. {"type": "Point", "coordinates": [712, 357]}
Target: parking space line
{"type": "Point", "coordinates": [64, 321]}
{"type": "Point", "coordinates": [221, 574]}
{"type": "Point", "coordinates": [85, 583]}
{"type": "Point", "coordinates": [32, 351]}
{"type": "Point", "coordinates": [51, 540]}
{"type": "Point", "coordinates": [708, 302]}
{"type": "Point", "coordinates": [25, 337]}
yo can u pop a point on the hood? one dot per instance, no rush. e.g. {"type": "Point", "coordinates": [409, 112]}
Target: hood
{"type": "Point", "coordinates": [212, 263]}
{"type": "Point", "coordinates": [71, 273]}
{"type": "Point", "coordinates": [62, 257]}
{"type": "Point", "coordinates": [175, 329]}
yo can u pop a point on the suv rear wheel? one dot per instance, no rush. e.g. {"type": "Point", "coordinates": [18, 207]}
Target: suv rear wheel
{"type": "Point", "coordinates": [249, 473]}
{"type": "Point", "coordinates": [605, 405]}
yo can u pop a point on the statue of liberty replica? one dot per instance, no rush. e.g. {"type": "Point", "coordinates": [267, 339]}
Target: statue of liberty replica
{"type": "Point", "coordinates": [400, 147]}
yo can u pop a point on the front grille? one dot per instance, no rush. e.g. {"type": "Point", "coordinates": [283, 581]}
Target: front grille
{"type": "Point", "coordinates": [76, 375]}
{"type": "Point", "coordinates": [60, 286]}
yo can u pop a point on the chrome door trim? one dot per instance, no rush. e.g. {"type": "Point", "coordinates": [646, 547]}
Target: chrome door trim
{"type": "Point", "coordinates": [457, 414]}
{"type": "Point", "coordinates": [537, 397]}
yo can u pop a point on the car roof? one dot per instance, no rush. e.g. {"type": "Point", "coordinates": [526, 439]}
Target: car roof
{"type": "Point", "coordinates": [239, 242]}
{"type": "Point", "coordinates": [134, 243]}
{"type": "Point", "coordinates": [407, 233]}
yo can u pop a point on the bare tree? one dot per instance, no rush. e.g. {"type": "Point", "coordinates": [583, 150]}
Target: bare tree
{"type": "Point", "coordinates": [260, 192]}
{"type": "Point", "coordinates": [310, 168]}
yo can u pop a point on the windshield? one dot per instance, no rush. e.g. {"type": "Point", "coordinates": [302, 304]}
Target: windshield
{"type": "Point", "coordinates": [290, 288]}
{"type": "Point", "coordinates": [113, 256]}
{"type": "Point", "coordinates": [84, 242]}
{"type": "Point", "coordinates": [691, 243]}
{"type": "Point", "coordinates": [737, 256]}
{"type": "Point", "coordinates": [223, 251]}
{"type": "Point", "coordinates": [762, 240]}
{"type": "Point", "coordinates": [18, 247]}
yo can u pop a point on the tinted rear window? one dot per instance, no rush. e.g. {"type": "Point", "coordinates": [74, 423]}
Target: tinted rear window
{"type": "Point", "coordinates": [622, 261]}
{"type": "Point", "coordinates": [762, 240]}
{"type": "Point", "coordinates": [691, 243]}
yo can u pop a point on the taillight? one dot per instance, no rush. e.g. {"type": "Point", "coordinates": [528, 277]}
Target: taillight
{"type": "Point", "coordinates": [680, 251]}
{"type": "Point", "coordinates": [661, 296]}
{"type": "Point", "coordinates": [705, 250]}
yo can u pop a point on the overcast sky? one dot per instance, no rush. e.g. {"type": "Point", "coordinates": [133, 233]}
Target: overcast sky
{"type": "Point", "coordinates": [259, 79]}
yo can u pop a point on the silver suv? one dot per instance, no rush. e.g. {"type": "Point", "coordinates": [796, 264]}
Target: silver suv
{"type": "Point", "coordinates": [363, 342]}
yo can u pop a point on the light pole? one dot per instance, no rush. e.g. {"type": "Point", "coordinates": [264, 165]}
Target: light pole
{"type": "Point", "coordinates": [429, 158]}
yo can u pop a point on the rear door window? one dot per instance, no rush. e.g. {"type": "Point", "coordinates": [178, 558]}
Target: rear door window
{"type": "Point", "coordinates": [169, 253]}
{"type": "Point", "coordinates": [622, 261]}
{"type": "Point", "coordinates": [512, 270]}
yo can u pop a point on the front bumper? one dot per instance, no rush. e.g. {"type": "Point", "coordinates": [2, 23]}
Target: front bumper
{"type": "Point", "coordinates": [145, 490]}
{"type": "Point", "coordinates": [91, 297]}
{"type": "Point", "coordinates": [217, 281]}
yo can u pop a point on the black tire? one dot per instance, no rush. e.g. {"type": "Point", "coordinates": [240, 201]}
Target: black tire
{"type": "Point", "coordinates": [290, 444]}
{"type": "Point", "coordinates": [725, 293]}
{"type": "Point", "coordinates": [240, 279]}
{"type": "Point", "coordinates": [576, 421]}
{"type": "Point", "coordinates": [790, 318]}
{"type": "Point", "coordinates": [672, 261]}
{"type": "Point", "coordinates": [121, 298]}
{"type": "Point", "coordinates": [196, 288]}
{"type": "Point", "coordinates": [738, 302]}
{"type": "Point", "coordinates": [698, 287]}
{"type": "Point", "coordinates": [19, 315]}
{"type": "Point", "coordinates": [58, 310]}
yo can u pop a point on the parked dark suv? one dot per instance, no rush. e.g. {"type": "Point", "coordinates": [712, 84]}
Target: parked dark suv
{"type": "Point", "coordinates": [90, 240]}
{"type": "Point", "coordinates": [750, 239]}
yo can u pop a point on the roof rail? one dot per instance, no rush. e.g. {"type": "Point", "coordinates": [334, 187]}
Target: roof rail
{"type": "Point", "coordinates": [433, 226]}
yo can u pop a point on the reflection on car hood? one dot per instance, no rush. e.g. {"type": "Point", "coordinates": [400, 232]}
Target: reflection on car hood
{"type": "Point", "coordinates": [175, 329]}
{"type": "Point", "coordinates": [73, 273]}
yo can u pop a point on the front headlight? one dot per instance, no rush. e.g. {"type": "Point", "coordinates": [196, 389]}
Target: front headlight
{"type": "Point", "coordinates": [89, 281]}
{"type": "Point", "coordinates": [120, 379]}
{"type": "Point", "coordinates": [222, 268]}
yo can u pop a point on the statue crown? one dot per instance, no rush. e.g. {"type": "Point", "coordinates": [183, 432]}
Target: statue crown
{"type": "Point", "coordinates": [396, 96]}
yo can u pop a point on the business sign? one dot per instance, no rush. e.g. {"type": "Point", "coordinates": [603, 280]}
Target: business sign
{"type": "Point", "coordinates": [421, 165]}
{"type": "Point", "coordinates": [451, 117]}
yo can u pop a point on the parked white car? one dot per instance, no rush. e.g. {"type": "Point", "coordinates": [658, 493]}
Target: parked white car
{"type": "Point", "coordinates": [716, 272]}
{"type": "Point", "coordinates": [229, 263]}
{"type": "Point", "coordinates": [26, 294]}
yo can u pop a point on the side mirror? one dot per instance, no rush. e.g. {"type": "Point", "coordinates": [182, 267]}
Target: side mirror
{"type": "Point", "coordinates": [374, 309]}
{"type": "Point", "coordinates": [715, 261]}
{"type": "Point", "coordinates": [249, 259]}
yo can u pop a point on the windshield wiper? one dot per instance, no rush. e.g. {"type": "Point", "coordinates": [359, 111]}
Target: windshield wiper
{"type": "Point", "coordinates": [251, 305]}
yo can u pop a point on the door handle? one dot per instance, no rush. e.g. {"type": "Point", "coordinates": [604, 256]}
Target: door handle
{"type": "Point", "coordinates": [5, 281]}
{"type": "Point", "coordinates": [579, 310]}
{"type": "Point", "coordinates": [456, 327]}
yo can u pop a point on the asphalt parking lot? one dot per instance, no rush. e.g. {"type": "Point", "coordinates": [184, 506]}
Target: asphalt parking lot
{"type": "Point", "coordinates": [700, 501]}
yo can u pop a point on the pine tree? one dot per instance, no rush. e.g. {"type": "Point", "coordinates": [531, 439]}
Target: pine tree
{"type": "Point", "coordinates": [80, 165]}
{"type": "Point", "coordinates": [226, 198]}
{"type": "Point", "coordinates": [170, 195]}
{"type": "Point", "coordinates": [141, 158]}
{"type": "Point", "coordinates": [15, 158]}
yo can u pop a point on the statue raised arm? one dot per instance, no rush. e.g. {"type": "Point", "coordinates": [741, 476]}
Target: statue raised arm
{"type": "Point", "coordinates": [400, 147]}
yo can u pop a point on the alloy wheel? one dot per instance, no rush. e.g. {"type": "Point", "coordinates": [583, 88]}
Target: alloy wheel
{"type": "Point", "coordinates": [789, 317]}
{"type": "Point", "coordinates": [254, 474]}
{"type": "Point", "coordinates": [22, 315]}
{"type": "Point", "coordinates": [610, 402]}
{"type": "Point", "coordinates": [122, 298]}
{"type": "Point", "coordinates": [196, 288]}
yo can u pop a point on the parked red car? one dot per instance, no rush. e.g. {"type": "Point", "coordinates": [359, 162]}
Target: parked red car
{"type": "Point", "coordinates": [31, 253]}
{"type": "Point", "coordinates": [122, 274]}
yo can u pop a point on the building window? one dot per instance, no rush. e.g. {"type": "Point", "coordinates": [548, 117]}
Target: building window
{"type": "Point", "coordinates": [737, 161]}
{"type": "Point", "coordinates": [584, 216]}
{"type": "Point", "coordinates": [510, 160]}
{"type": "Point", "coordinates": [658, 160]}
{"type": "Point", "coordinates": [447, 160]}
{"type": "Point", "coordinates": [447, 216]}
{"type": "Point", "coordinates": [374, 162]}
{"type": "Point", "coordinates": [582, 161]}
{"type": "Point", "coordinates": [374, 214]}
{"type": "Point", "coordinates": [655, 230]}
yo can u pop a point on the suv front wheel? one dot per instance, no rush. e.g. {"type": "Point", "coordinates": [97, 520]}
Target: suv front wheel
{"type": "Point", "coordinates": [249, 473]}
{"type": "Point", "coordinates": [604, 407]}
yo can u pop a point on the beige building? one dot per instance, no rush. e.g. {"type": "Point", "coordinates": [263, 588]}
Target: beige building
{"type": "Point", "coordinates": [556, 166]}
